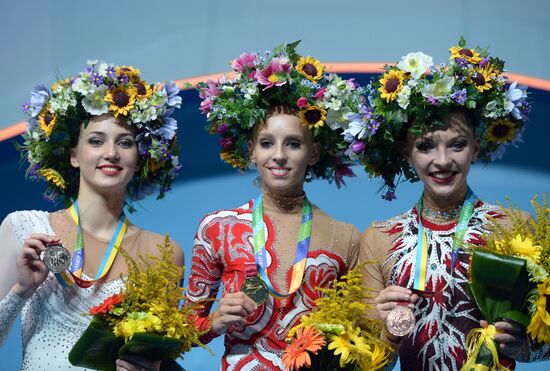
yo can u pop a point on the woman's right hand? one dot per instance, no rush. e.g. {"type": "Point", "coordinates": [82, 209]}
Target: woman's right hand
{"type": "Point", "coordinates": [31, 270]}
{"type": "Point", "coordinates": [388, 299]}
{"type": "Point", "coordinates": [234, 308]}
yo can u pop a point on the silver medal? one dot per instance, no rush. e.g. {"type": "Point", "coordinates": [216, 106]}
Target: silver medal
{"type": "Point", "coordinates": [56, 257]}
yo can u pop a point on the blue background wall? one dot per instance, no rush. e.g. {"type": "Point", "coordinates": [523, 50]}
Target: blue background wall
{"type": "Point", "coordinates": [171, 39]}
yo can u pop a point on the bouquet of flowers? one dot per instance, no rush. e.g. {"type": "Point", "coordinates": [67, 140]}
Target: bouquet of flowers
{"type": "Point", "coordinates": [338, 334]}
{"type": "Point", "coordinates": [510, 278]}
{"type": "Point", "coordinates": [145, 319]}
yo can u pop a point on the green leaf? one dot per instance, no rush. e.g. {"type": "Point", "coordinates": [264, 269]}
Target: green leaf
{"type": "Point", "coordinates": [97, 348]}
{"type": "Point", "coordinates": [461, 42]}
{"type": "Point", "coordinates": [499, 284]}
{"type": "Point", "coordinates": [517, 316]}
{"type": "Point", "coordinates": [154, 347]}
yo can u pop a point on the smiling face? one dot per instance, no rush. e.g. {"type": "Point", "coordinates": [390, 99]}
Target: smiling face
{"type": "Point", "coordinates": [106, 155]}
{"type": "Point", "coordinates": [281, 149]}
{"type": "Point", "coordinates": [442, 160]}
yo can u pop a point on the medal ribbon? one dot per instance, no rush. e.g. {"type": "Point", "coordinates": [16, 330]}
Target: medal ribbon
{"type": "Point", "coordinates": [421, 266]}
{"type": "Point", "coordinates": [302, 246]}
{"type": "Point", "coordinates": [69, 278]}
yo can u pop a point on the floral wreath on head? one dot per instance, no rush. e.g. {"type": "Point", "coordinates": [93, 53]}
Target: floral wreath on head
{"type": "Point", "coordinates": [56, 115]}
{"type": "Point", "coordinates": [408, 98]}
{"type": "Point", "coordinates": [323, 101]}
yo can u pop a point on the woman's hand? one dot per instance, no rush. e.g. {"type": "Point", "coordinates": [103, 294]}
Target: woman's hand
{"type": "Point", "coordinates": [234, 308]}
{"type": "Point", "coordinates": [31, 270]}
{"type": "Point", "coordinates": [512, 340]}
{"type": "Point", "coordinates": [388, 299]}
{"type": "Point", "coordinates": [135, 362]}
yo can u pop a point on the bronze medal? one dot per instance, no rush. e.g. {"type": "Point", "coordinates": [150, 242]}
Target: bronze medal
{"type": "Point", "coordinates": [56, 257]}
{"type": "Point", "coordinates": [400, 321]}
{"type": "Point", "coordinates": [255, 288]}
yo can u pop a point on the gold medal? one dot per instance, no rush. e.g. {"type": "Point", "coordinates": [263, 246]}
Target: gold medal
{"type": "Point", "coordinates": [255, 288]}
{"type": "Point", "coordinates": [400, 321]}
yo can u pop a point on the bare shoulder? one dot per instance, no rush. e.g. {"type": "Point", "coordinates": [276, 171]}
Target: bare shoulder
{"type": "Point", "coordinates": [152, 240]}
{"type": "Point", "coordinates": [377, 228]}
{"type": "Point", "coordinates": [344, 231]}
{"type": "Point", "coordinates": [505, 219]}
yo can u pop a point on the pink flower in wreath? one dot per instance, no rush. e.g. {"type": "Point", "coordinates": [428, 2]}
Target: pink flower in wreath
{"type": "Point", "coordinates": [319, 94]}
{"type": "Point", "coordinates": [275, 74]}
{"type": "Point", "coordinates": [302, 102]}
{"type": "Point", "coordinates": [244, 60]}
{"type": "Point", "coordinates": [207, 94]}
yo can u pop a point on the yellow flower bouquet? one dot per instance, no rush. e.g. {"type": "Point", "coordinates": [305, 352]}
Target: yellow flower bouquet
{"type": "Point", "coordinates": [145, 319]}
{"type": "Point", "coordinates": [338, 334]}
{"type": "Point", "coordinates": [510, 278]}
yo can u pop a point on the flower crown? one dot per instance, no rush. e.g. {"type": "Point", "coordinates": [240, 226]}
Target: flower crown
{"type": "Point", "coordinates": [56, 114]}
{"type": "Point", "coordinates": [409, 99]}
{"type": "Point", "coordinates": [322, 100]}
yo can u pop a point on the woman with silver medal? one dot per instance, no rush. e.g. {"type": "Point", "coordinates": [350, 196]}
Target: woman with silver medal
{"type": "Point", "coordinates": [89, 140]}
{"type": "Point", "coordinates": [432, 126]}
{"type": "Point", "coordinates": [270, 255]}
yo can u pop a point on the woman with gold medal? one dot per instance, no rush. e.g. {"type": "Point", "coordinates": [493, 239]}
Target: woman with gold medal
{"type": "Point", "coordinates": [101, 140]}
{"type": "Point", "coordinates": [284, 114]}
{"type": "Point", "coordinates": [432, 126]}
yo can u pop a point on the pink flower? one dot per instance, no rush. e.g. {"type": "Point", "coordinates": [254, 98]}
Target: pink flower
{"type": "Point", "coordinates": [206, 105]}
{"type": "Point", "coordinates": [275, 74]}
{"type": "Point", "coordinates": [226, 143]}
{"type": "Point", "coordinates": [244, 60]}
{"type": "Point", "coordinates": [342, 170]}
{"type": "Point", "coordinates": [207, 94]}
{"type": "Point", "coordinates": [211, 90]}
{"type": "Point", "coordinates": [222, 128]}
{"type": "Point", "coordinates": [302, 102]}
{"type": "Point", "coordinates": [320, 94]}
{"type": "Point", "coordinates": [358, 146]}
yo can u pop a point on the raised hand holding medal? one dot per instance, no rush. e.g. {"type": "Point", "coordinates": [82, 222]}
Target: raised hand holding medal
{"type": "Point", "coordinates": [56, 257]}
{"type": "Point", "coordinates": [400, 320]}
{"type": "Point", "coordinates": [254, 287]}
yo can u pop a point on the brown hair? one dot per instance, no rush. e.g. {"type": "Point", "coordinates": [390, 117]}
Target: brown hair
{"type": "Point", "coordinates": [459, 117]}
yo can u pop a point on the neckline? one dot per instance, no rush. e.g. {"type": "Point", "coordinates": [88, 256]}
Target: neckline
{"type": "Point", "coordinates": [131, 233]}
{"type": "Point", "coordinates": [282, 204]}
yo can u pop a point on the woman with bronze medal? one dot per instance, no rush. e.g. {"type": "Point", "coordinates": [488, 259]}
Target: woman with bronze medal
{"type": "Point", "coordinates": [284, 114]}
{"type": "Point", "coordinates": [101, 140]}
{"type": "Point", "coordinates": [434, 121]}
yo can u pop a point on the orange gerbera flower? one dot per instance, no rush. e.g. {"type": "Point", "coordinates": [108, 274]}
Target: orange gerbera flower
{"type": "Point", "coordinates": [296, 353]}
{"type": "Point", "coordinates": [107, 304]}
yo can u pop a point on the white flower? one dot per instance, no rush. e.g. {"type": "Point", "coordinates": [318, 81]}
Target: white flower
{"type": "Point", "coordinates": [357, 129]}
{"type": "Point", "coordinates": [63, 99]}
{"type": "Point", "coordinates": [102, 68]}
{"type": "Point", "coordinates": [249, 90]}
{"type": "Point", "coordinates": [440, 89]}
{"type": "Point", "coordinates": [332, 104]}
{"type": "Point", "coordinates": [337, 118]}
{"type": "Point", "coordinates": [508, 106]}
{"type": "Point", "coordinates": [175, 161]}
{"type": "Point", "coordinates": [403, 97]}
{"type": "Point", "coordinates": [94, 103]}
{"type": "Point", "coordinates": [143, 112]}
{"type": "Point", "coordinates": [493, 110]}
{"type": "Point", "coordinates": [83, 85]}
{"type": "Point", "coordinates": [415, 63]}
{"type": "Point", "coordinates": [331, 90]}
